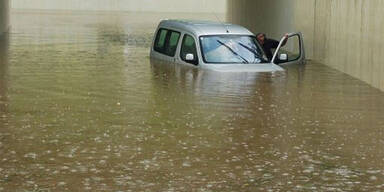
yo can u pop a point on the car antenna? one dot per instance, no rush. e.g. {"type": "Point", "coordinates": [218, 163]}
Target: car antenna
{"type": "Point", "coordinates": [218, 19]}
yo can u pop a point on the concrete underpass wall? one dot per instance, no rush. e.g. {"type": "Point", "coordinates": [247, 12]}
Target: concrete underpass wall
{"type": "Point", "coordinates": [344, 34]}
{"type": "Point", "coordinates": [349, 37]}
{"type": "Point", "coordinates": [207, 6]}
{"type": "Point", "coordinates": [4, 16]}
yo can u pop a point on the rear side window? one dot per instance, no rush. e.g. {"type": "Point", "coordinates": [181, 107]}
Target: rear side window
{"type": "Point", "coordinates": [172, 43]}
{"type": "Point", "coordinates": [166, 42]}
{"type": "Point", "coordinates": [189, 47]}
{"type": "Point", "coordinates": [160, 40]}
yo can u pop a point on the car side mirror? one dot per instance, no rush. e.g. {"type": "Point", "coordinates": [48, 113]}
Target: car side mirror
{"type": "Point", "coordinates": [190, 57]}
{"type": "Point", "coordinates": [283, 57]}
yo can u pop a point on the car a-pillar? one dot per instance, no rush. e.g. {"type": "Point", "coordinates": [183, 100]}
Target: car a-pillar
{"type": "Point", "coordinates": [4, 16]}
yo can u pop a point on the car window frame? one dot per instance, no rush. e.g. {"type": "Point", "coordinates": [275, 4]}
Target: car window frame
{"type": "Point", "coordinates": [157, 39]}
{"type": "Point", "coordinates": [196, 62]}
{"type": "Point", "coordinates": [167, 41]}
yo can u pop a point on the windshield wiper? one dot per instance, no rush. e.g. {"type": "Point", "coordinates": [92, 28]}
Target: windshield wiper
{"type": "Point", "coordinates": [253, 51]}
{"type": "Point", "coordinates": [234, 52]}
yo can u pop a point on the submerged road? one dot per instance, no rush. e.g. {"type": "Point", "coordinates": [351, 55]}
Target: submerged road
{"type": "Point", "coordinates": [82, 108]}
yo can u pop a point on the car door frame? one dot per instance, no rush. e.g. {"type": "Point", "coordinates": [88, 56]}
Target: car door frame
{"type": "Point", "coordinates": [299, 60]}
{"type": "Point", "coordinates": [179, 59]}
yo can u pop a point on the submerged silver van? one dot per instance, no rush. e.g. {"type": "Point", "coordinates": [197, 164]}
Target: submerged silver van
{"type": "Point", "coordinates": [221, 47]}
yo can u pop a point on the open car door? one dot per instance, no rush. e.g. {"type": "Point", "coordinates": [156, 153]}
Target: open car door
{"type": "Point", "coordinates": [292, 52]}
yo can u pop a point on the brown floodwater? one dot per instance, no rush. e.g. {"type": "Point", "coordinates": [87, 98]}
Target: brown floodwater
{"type": "Point", "coordinates": [82, 108]}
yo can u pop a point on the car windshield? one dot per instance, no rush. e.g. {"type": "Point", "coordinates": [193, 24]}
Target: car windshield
{"type": "Point", "coordinates": [224, 49]}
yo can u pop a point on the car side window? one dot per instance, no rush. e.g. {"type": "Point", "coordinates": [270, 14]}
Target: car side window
{"type": "Point", "coordinates": [160, 40]}
{"type": "Point", "coordinates": [166, 42]}
{"type": "Point", "coordinates": [188, 46]}
{"type": "Point", "coordinates": [172, 43]}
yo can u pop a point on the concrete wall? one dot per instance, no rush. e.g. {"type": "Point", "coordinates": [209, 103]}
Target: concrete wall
{"type": "Point", "coordinates": [4, 16]}
{"type": "Point", "coordinates": [218, 6]}
{"type": "Point", "coordinates": [344, 34]}
{"type": "Point", "coordinates": [353, 33]}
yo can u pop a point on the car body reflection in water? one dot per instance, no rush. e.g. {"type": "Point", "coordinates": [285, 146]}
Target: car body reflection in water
{"type": "Point", "coordinates": [205, 82]}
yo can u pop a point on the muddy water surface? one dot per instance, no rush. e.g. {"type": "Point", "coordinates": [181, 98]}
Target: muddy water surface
{"type": "Point", "coordinates": [82, 108]}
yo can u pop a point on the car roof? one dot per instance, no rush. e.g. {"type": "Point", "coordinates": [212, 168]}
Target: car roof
{"type": "Point", "coordinates": [199, 28]}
